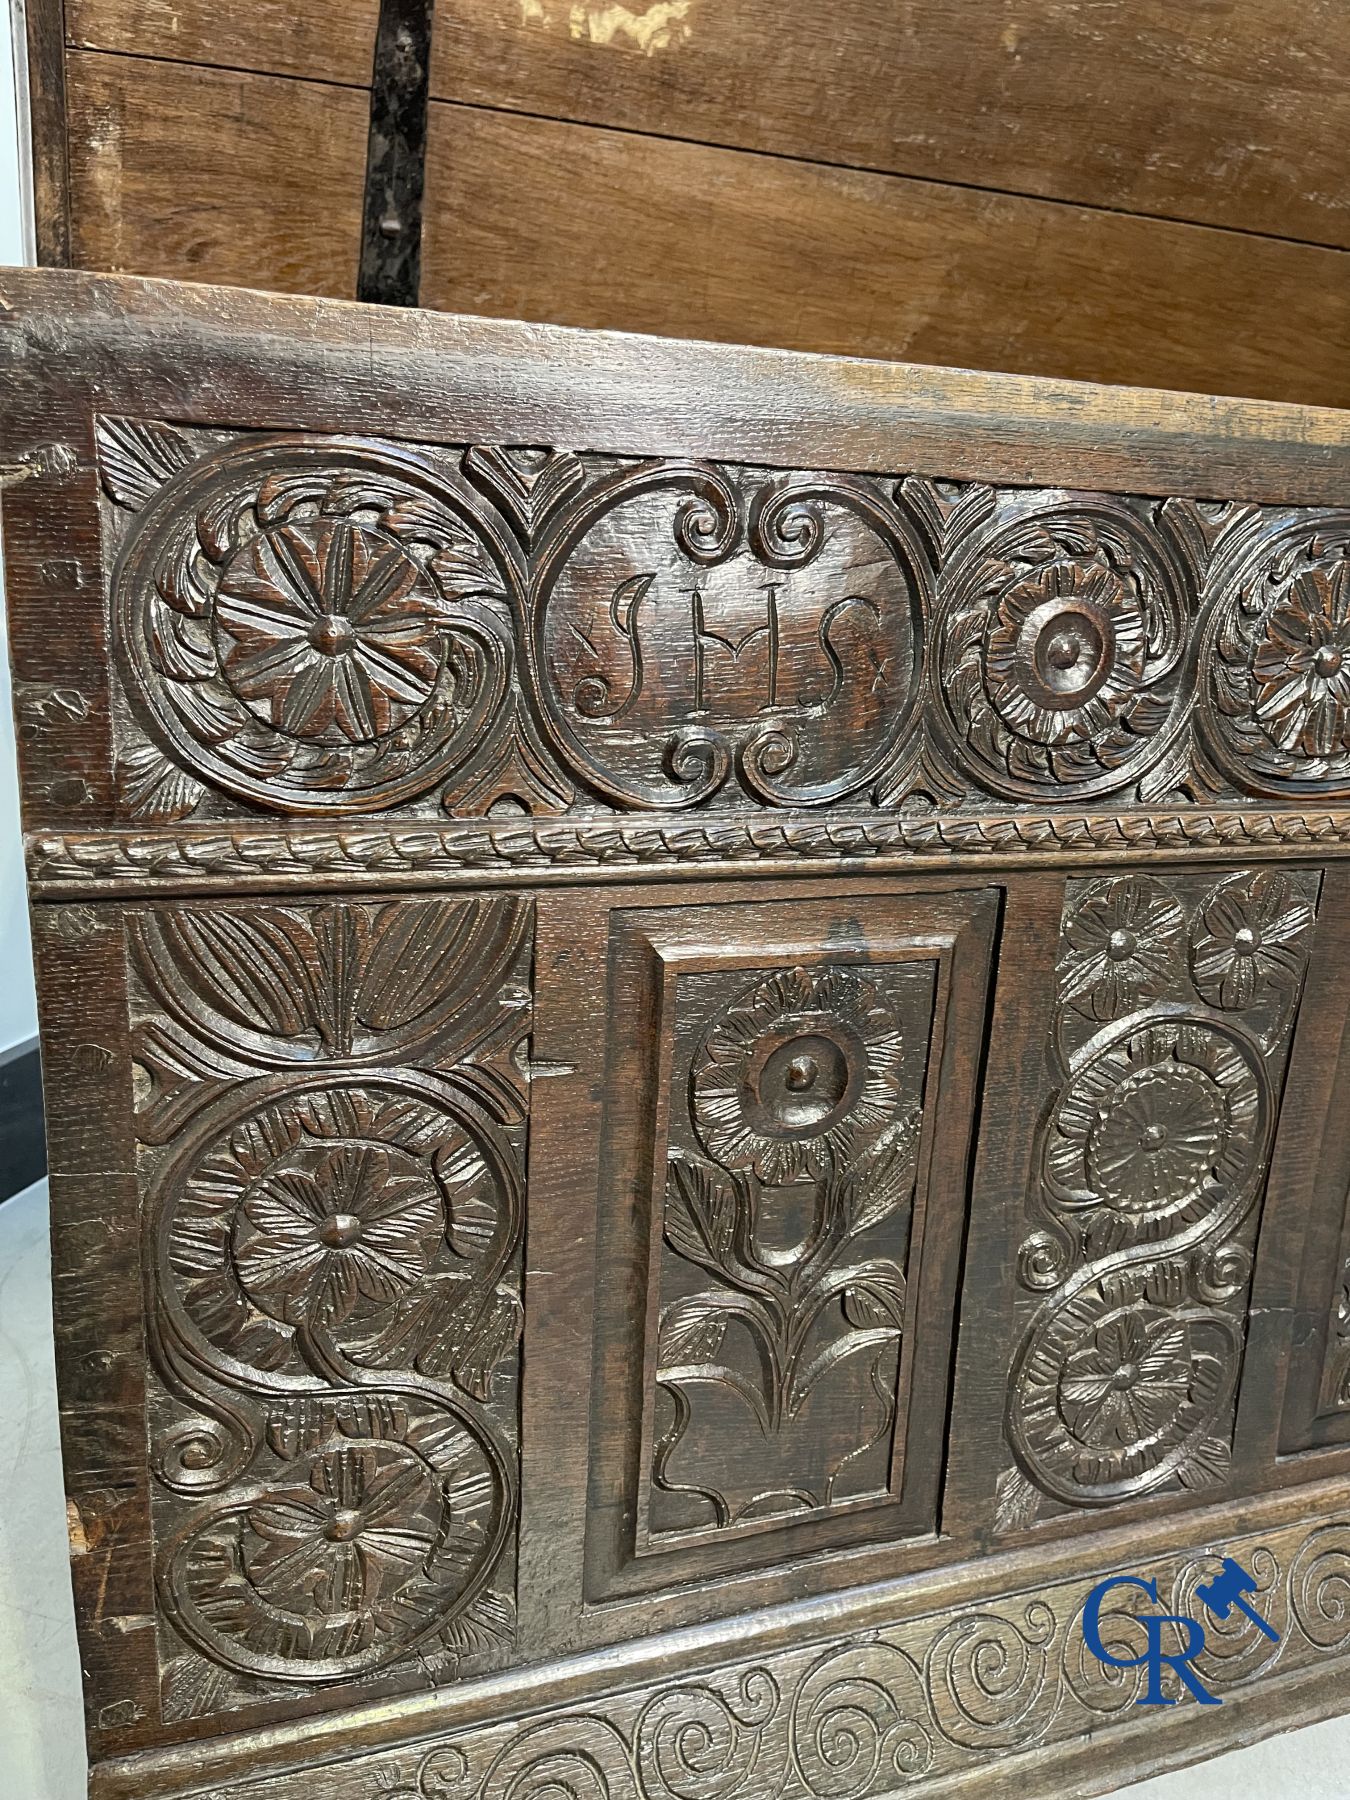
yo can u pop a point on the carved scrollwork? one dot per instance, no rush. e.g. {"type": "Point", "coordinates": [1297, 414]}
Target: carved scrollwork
{"type": "Point", "coordinates": [351, 1555]}
{"type": "Point", "coordinates": [1118, 1390]}
{"type": "Point", "coordinates": [1060, 646]}
{"type": "Point", "coordinates": [313, 625]}
{"type": "Point", "coordinates": [690, 624]}
{"type": "Point", "coordinates": [1161, 1129]}
{"type": "Point", "coordinates": [914, 1700]}
{"type": "Point", "coordinates": [1175, 1001]}
{"type": "Point", "coordinates": [330, 625]}
{"type": "Point", "coordinates": [333, 1237]}
{"type": "Point", "coordinates": [1275, 660]}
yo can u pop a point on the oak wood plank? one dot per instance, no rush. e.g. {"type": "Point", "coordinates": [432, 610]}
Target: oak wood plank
{"type": "Point", "coordinates": [210, 175]}
{"type": "Point", "coordinates": [1229, 112]}
{"type": "Point", "coordinates": [243, 359]}
{"type": "Point", "coordinates": [318, 40]}
{"type": "Point", "coordinates": [531, 219]}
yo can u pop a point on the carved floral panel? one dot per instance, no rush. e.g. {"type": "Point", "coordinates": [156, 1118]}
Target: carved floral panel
{"type": "Point", "coordinates": [783, 1195]}
{"type": "Point", "coordinates": [332, 1126]}
{"type": "Point", "coordinates": [1177, 998]}
{"type": "Point", "coordinates": [796, 1116]}
{"type": "Point", "coordinates": [317, 625]}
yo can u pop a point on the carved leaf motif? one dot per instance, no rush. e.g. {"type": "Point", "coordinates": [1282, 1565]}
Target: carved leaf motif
{"type": "Point", "coordinates": [1016, 1502]}
{"type": "Point", "coordinates": [136, 459]}
{"type": "Point", "coordinates": [1209, 1466]}
{"type": "Point", "coordinates": [191, 1688]}
{"type": "Point", "coordinates": [487, 1625]}
{"type": "Point", "coordinates": [257, 968]}
{"type": "Point", "coordinates": [700, 1214]}
{"type": "Point", "coordinates": [180, 646]}
{"type": "Point", "coordinates": [150, 787]}
{"type": "Point", "coordinates": [486, 1343]}
{"type": "Point", "coordinates": [884, 1180]}
{"type": "Point", "coordinates": [876, 1303]}
{"type": "Point", "coordinates": [692, 1330]}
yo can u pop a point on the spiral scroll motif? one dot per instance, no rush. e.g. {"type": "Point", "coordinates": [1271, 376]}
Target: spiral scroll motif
{"type": "Point", "coordinates": [1175, 1002]}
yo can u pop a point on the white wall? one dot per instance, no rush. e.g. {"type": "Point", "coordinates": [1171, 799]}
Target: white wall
{"type": "Point", "coordinates": [18, 1019]}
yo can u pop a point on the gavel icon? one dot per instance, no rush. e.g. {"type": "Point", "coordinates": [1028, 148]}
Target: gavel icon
{"type": "Point", "coordinates": [1227, 1590]}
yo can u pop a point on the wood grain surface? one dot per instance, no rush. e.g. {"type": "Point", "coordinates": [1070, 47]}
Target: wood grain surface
{"type": "Point", "coordinates": [1230, 112]}
{"type": "Point", "coordinates": [212, 176]}
{"type": "Point", "coordinates": [534, 220]}
{"type": "Point", "coordinates": [632, 1313]}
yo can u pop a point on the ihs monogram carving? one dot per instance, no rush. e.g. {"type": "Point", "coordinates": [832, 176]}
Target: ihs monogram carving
{"type": "Point", "coordinates": [697, 627]}
{"type": "Point", "coordinates": [787, 1222]}
{"type": "Point", "coordinates": [330, 626]}
{"type": "Point", "coordinates": [333, 1128]}
{"type": "Point", "coordinates": [1177, 999]}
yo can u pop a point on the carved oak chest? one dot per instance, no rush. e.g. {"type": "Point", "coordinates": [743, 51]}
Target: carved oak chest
{"type": "Point", "coordinates": [695, 1028]}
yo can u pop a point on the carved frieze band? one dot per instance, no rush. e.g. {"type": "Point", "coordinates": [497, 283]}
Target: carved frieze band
{"type": "Point", "coordinates": [948, 1693]}
{"type": "Point", "coordinates": [1177, 998]}
{"type": "Point", "coordinates": [331, 1125]}
{"type": "Point", "coordinates": [315, 625]}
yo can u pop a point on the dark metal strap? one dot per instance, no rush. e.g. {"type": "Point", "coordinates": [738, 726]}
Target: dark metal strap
{"type": "Point", "coordinates": [391, 230]}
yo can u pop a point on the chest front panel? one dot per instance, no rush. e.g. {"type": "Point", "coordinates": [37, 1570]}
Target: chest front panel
{"type": "Point", "coordinates": [689, 1086]}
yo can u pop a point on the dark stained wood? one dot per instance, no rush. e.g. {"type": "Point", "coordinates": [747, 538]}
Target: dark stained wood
{"type": "Point", "coordinates": [267, 175]}
{"type": "Point", "coordinates": [45, 46]}
{"type": "Point", "coordinates": [640, 233]}
{"type": "Point", "coordinates": [692, 1074]}
{"type": "Point", "coordinates": [391, 226]}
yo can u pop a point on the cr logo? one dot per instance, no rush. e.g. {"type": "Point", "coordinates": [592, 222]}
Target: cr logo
{"type": "Point", "coordinates": [1174, 1639]}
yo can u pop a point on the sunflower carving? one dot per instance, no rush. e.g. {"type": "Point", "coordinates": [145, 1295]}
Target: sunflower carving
{"type": "Point", "coordinates": [798, 1075]}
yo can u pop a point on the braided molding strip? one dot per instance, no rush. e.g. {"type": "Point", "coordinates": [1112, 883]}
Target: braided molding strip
{"type": "Point", "coordinates": [540, 848]}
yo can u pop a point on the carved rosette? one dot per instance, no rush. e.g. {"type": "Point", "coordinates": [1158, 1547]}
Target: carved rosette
{"type": "Point", "coordinates": [310, 625]}
{"type": "Point", "coordinates": [1176, 1004]}
{"type": "Point", "coordinates": [799, 1075]}
{"type": "Point", "coordinates": [1275, 660]}
{"type": "Point", "coordinates": [332, 1130]}
{"type": "Point", "coordinates": [1059, 651]}
{"type": "Point", "coordinates": [695, 627]}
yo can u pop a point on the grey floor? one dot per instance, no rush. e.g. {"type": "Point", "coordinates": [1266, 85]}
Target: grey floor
{"type": "Point", "coordinates": [41, 1751]}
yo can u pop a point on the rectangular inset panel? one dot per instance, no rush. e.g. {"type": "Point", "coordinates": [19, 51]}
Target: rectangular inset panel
{"type": "Point", "coordinates": [1176, 1004]}
{"type": "Point", "coordinates": [797, 1084]}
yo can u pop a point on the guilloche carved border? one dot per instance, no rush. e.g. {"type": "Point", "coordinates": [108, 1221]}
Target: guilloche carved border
{"type": "Point", "coordinates": [948, 1699]}
{"type": "Point", "coordinates": [64, 863]}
